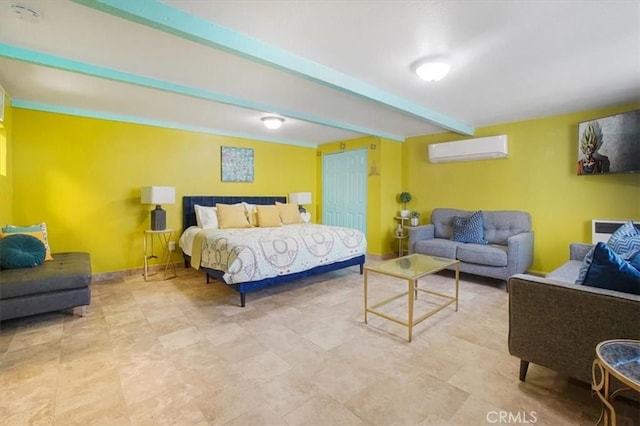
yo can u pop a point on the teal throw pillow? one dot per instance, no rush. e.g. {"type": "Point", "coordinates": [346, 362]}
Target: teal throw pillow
{"type": "Point", "coordinates": [21, 251]}
{"type": "Point", "coordinates": [609, 271]}
{"type": "Point", "coordinates": [469, 229]}
{"type": "Point", "coordinates": [625, 240]}
{"type": "Point", "coordinates": [11, 229]}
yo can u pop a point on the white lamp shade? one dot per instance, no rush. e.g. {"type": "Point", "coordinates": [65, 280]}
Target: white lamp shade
{"type": "Point", "coordinates": [158, 195]}
{"type": "Point", "coordinates": [300, 198]}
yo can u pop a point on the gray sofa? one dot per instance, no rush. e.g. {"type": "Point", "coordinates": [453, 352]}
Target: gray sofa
{"type": "Point", "coordinates": [61, 283]}
{"type": "Point", "coordinates": [510, 248]}
{"type": "Point", "coordinates": [557, 324]}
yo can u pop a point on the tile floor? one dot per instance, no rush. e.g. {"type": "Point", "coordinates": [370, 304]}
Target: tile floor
{"type": "Point", "coordinates": [181, 352]}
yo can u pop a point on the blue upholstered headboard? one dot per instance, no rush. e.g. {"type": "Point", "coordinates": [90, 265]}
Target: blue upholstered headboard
{"type": "Point", "coordinates": [189, 213]}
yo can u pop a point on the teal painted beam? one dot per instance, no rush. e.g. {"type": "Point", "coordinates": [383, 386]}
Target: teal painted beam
{"type": "Point", "coordinates": [181, 24]}
{"type": "Point", "coordinates": [38, 58]}
{"type": "Point", "coordinates": [149, 122]}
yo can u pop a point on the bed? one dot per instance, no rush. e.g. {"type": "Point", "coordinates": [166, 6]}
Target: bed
{"type": "Point", "coordinates": [318, 248]}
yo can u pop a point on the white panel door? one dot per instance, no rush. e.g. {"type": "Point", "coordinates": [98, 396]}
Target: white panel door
{"type": "Point", "coordinates": [344, 189]}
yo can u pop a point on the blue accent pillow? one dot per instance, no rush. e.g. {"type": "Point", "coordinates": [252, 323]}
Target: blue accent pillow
{"type": "Point", "coordinates": [625, 240]}
{"type": "Point", "coordinates": [469, 229]}
{"type": "Point", "coordinates": [635, 260]}
{"type": "Point", "coordinates": [21, 251]}
{"type": "Point", "coordinates": [586, 263]}
{"type": "Point", "coordinates": [609, 271]}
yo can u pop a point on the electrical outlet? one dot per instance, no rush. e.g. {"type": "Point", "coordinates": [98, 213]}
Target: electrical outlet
{"type": "Point", "coordinates": [172, 246]}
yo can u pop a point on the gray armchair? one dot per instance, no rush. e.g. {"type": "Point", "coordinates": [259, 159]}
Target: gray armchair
{"type": "Point", "coordinates": [557, 324]}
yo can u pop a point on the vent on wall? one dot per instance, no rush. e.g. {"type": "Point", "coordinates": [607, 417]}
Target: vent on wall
{"type": "Point", "coordinates": [602, 229]}
{"type": "Point", "coordinates": [470, 149]}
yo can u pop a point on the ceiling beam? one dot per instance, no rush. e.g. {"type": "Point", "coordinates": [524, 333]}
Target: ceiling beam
{"type": "Point", "coordinates": [181, 24]}
{"type": "Point", "coordinates": [78, 112]}
{"type": "Point", "coordinates": [39, 58]}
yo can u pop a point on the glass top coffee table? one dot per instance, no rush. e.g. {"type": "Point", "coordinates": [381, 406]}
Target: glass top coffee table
{"type": "Point", "coordinates": [410, 268]}
{"type": "Point", "coordinates": [619, 358]}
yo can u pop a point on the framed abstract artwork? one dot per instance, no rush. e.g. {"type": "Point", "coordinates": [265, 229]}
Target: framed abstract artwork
{"type": "Point", "coordinates": [237, 164]}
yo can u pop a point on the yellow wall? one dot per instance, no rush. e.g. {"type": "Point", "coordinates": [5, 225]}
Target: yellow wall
{"type": "Point", "coordinates": [6, 169]}
{"type": "Point", "coordinates": [83, 177]}
{"type": "Point", "coordinates": [390, 187]}
{"type": "Point", "coordinates": [539, 176]}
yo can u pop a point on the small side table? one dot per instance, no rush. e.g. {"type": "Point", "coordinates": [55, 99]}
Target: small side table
{"type": "Point", "coordinates": [401, 250]}
{"type": "Point", "coordinates": [164, 237]}
{"type": "Point", "coordinates": [618, 358]}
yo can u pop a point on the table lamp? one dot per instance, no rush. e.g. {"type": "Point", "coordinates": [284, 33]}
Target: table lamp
{"type": "Point", "coordinates": [158, 195]}
{"type": "Point", "coordinates": [300, 198]}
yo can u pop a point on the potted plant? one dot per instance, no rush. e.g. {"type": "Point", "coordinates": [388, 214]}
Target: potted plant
{"type": "Point", "coordinates": [404, 197]}
{"type": "Point", "coordinates": [415, 218]}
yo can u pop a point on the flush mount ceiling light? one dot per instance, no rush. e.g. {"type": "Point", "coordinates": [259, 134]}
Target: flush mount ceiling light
{"type": "Point", "coordinates": [25, 13]}
{"type": "Point", "coordinates": [433, 70]}
{"type": "Point", "coordinates": [272, 122]}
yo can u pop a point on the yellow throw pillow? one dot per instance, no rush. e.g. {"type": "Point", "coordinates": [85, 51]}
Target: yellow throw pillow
{"type": "Point", "coordinates": [268, 216]}
{"type": "Point", "coordinates": [232, 216]}
{"type": "Point", "coordinates": [39, 235]}
{"type": "Point", "coordinates": [289, 213]}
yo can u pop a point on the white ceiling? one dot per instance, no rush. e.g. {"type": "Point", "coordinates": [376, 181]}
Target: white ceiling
{"type": "Point", "coordinates": [334, 69]}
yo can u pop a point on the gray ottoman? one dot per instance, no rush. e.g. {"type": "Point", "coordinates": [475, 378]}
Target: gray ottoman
{"type": "Point", "coordinates": [61, 283]}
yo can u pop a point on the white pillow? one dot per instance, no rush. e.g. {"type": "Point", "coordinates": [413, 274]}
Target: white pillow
{"type": "Point", "coordinates": [206, 217]}
{"type": "Point", "coordinates": [252, 213]}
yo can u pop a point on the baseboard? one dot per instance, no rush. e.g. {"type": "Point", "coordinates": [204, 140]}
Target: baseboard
{"type": "Point", "coordinates": [106, 276]}
{"type": "Point", "coordinates": [379, 257]}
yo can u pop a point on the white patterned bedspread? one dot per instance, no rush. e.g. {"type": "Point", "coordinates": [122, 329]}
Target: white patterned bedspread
{"type": "Point", "coordinates": [254, 254]}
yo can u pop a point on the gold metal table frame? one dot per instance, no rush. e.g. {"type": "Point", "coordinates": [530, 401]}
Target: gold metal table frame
{"type": "Point", "coordinates": [605, 366]}
{"type": "Point", "coordinates": [164, 237]}
{"type": "Point", "coordinates": [411, 268]}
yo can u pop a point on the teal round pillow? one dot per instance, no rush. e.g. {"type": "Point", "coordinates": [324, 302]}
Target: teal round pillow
{"type": "Point", "coordinates": [21, 251]}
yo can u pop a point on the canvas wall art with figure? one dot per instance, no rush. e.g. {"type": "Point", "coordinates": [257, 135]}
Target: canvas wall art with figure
{"type": "Point", "coordinates": [609, 144]}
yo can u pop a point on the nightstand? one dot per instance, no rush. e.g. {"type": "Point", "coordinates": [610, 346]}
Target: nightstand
{"type": "Point", "coordinates": [161, 238]}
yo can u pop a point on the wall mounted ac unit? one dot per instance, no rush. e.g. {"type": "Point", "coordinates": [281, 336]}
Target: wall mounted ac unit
{"type": "Point", "coordinates": [470, 149]}
{"type": "Point", "coordinates": [602, 229]}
